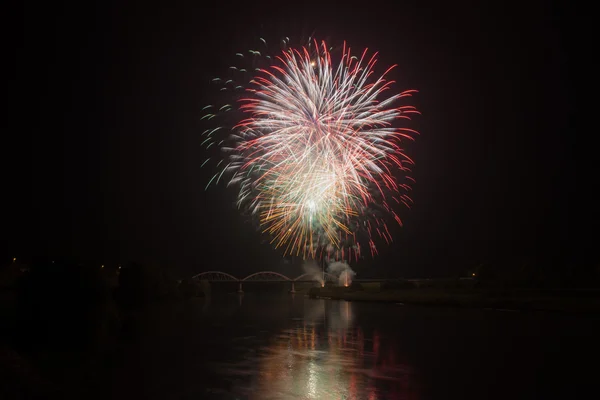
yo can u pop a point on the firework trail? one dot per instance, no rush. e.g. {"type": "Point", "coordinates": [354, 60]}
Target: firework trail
{"type": "Point", "coordinates": [316, 151]}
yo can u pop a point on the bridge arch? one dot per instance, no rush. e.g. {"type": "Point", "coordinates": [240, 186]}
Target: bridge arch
{"type": "Point", "coordinates": [328, 277]}
{"type": "Point", "coordinates": [266, 276]}
{"type": "Point", "coordinates": [216, 276]}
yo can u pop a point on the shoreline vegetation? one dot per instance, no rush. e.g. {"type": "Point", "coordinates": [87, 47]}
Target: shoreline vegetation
{"type": "Point", "coordinates": [572, 301]}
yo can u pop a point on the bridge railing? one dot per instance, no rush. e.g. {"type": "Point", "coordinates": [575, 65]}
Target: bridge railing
{"type": "Point", "coordinates": [215, 276]}
{"type": "Point", "coordinates": [262, 276]}
{"type": "Point", "coordinates": [266, 276]}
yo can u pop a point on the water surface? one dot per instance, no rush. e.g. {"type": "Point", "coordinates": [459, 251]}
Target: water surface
{"type": "Point", "coordinates": [291, 347]}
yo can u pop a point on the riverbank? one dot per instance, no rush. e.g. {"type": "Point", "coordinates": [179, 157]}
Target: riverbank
{"type": "Point", "coordinates": [571, 301]}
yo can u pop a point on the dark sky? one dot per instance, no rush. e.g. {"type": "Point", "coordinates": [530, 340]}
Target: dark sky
{"type": "Point", "coordinates": [106, 112]}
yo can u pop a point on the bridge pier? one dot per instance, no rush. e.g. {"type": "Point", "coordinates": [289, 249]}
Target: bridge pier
{"type": "Point", "coordinates": [240, 290]}
{"type": "Point", "coordinates": [293, 290]}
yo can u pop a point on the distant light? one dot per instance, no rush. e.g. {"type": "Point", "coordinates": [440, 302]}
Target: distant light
{"type": "Point", "coordinates": [14, 259]}
{"type": "Point", "coordinates": [473, 273]}
{"type": "Point", "coordinates": [102, 266]}
{"type": "Point", "coordinates": [119, 267]}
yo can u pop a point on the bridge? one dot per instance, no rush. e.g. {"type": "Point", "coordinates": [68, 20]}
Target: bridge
{"type": "Point", "coordinates": [272, 276]}
{"type": "Point", "coordinates": [263, 276]}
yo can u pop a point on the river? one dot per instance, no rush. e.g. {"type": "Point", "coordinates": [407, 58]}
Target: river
{"type": "Point", "coordinates": [256, 347]}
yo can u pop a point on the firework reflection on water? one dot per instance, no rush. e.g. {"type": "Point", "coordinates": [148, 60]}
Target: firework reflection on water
{"type": "Point", "coordinates": [323, 357]}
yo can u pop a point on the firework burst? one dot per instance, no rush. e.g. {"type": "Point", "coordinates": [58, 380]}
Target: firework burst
{"type": "Point", "coordinates": [317, 153]}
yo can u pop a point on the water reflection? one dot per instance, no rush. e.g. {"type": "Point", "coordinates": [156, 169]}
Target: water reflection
{"type": "Point", "coordinates": [323, 356]}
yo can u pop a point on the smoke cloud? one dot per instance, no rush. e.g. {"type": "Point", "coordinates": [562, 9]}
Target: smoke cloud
{"type": "Point", "coordinates": [342, 271]}
{"type": "Point", "coordinates": [312, 269]}
{"type": "Point", "coordinates": [338, 269]}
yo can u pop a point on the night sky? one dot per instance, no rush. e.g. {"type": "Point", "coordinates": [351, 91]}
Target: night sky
{"type": "Point", "coordinates": [106, 111]}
